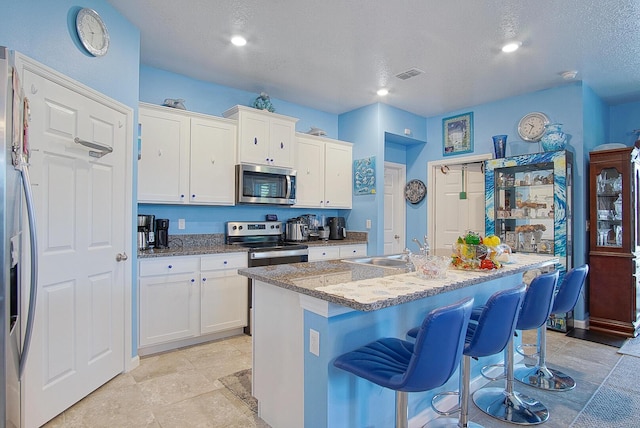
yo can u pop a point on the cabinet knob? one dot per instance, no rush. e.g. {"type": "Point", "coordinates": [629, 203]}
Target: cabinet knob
{"type": "Point", "coordinates": [182, 196]}
{"type": "Point", "coordinates": [255, 140]}
{"type": "Point", "coordinates": [204, 279]}
{"type": "Point", "coordinates": [170, 267]}
{"type": "Point", "coordinates": [193, 196]}
{"type": "Point", "coordinates": [159, 152]}
{"type": "Point", "coordinates": [193, 280]}
{"type": "Point", "coordinates": [281, 145]}
{"type": "Point", "coordinates": [270, 160]}
{"type": "Point", "coordinates": [225, 262]}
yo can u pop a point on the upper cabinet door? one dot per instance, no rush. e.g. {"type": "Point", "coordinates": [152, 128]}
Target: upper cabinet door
{"type": "Point", "coordinates": [281, 147]}
{"type": "Point", "coordinates": [211, 178]}
{"type": "Point", "coordinates": [310, 178]}
{"type": "Point", "coordinates": [338, 175]}
{"type": "Point", "coordinates": [164, 161]}
{"type": "Point", "coordinates": [253, 141]}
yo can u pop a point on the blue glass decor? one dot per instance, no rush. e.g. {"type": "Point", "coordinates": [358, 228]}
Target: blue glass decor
{"type": "Point", "coordinates": [553, 139]}
{"type": "Point", "coordinates": [263, 102]}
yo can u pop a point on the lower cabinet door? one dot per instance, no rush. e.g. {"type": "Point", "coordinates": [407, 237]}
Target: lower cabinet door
{"type": "Point", "coordinates": [224, 301]}
{"type": "Point", "coordinates": [169, 308]}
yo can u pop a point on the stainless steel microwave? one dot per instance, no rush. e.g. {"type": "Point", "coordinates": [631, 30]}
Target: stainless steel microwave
{"type": "Point", "coordinates": [262, 184]}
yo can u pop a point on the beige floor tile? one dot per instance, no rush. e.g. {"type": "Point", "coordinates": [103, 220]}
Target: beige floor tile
{"type": "Point", "coordinates": [212, 410]}
{"type": "Point", "coordinates": [159, 365]}
{"type": "Point", "coordinates": [210, 354]}
{"type": "Point", "coordinates": [174, 387]}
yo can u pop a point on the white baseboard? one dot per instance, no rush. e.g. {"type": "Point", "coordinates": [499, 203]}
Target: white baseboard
{"type": "Point", "coordinates": [583, 324]}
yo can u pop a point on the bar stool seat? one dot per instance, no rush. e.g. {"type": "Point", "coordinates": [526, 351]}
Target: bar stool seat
{"type": "Point", "coordinates": [406, 367]}
{"type": "Point", "coordinates": [504, 403]}
{"type": "Point", "coordinates": [540, 376]}
{"type": "Point", "coordinates": [488, 336]}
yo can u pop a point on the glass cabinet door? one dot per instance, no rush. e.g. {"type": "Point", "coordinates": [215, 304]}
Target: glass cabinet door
{"type": "Point", "coordinates": [524, 209]}
{"type": "Point", "coordinates": [610, 210]}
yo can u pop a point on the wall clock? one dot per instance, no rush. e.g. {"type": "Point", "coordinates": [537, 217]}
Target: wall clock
{"type": "Point", "coordinates": [532, 126]}
{"type": "Point", "coordinates": [415, 191]}
{"type": "Point", "coordinates": [92, 32]}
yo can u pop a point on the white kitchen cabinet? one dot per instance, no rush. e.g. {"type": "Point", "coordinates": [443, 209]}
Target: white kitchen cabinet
{"type": "Point", "coordinates": [356, 250]}
{"type": "Point", "coordinates": [324, 173]}
{"type": "Point", "coordinates": [318, 254]}
{"type": "Point", "coordinates": [186, 158]}
{"type": "Point", "coordinates": [191, 296]}
{"type": "Point", "coordinates": [223, 293]}
{"type": "Point", "coordinates": [264, 138]}
{"type": "Point", "coordinates": [164, 156]}
{"type": "Point", "coordinates": [334, 252]}
{"type": "Point", "coordinates": [169, 299]}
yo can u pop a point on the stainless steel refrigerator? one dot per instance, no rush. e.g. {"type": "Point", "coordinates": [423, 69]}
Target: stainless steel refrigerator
{"type": "Point", "coordinates": [18, 253]}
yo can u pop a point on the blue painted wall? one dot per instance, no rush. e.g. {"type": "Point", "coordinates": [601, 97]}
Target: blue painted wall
{"type": "Point", "coordinates": [624, 119]}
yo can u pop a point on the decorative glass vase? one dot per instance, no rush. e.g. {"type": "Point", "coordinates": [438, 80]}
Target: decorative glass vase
{"type": "Point", "coordinates": [553, 139]}
{"type": "Point", "coordinates": [499, 145]}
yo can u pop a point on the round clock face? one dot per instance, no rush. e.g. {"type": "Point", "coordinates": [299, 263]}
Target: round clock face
{"type": "Point", "coordinates": [532, 126]}
{"type": "Point", "coordinates": [92, 32]}
{"type": "Point", "coordinates": [415, 191]}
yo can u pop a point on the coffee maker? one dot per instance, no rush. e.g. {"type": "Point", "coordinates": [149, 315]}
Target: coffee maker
{"type": "Point", "coordinates": [146, 235]}
{"type": "Point", "coordinates": [337, 229]}
{"type": "Point", "coordinates": [162, 233]}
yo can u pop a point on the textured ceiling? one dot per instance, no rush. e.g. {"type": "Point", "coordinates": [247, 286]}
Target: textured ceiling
{"type": "Point", "coordinates": [332, 55]}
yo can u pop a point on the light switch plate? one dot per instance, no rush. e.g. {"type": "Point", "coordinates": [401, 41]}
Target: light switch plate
{"type": "Point", "coordinates": [181, 224]}
{"type": "Point", "coordinates": [314, 342]}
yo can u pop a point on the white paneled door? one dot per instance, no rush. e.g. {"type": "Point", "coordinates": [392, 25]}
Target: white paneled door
{"type": "Point", "coordinates": [80, 200]}
{"type": "Point", "coordinates": [394, 208]}
{"type": "Point", "coordinates": [459, 204]}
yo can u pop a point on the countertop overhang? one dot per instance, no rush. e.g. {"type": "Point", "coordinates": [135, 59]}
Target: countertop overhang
{"type": "Point", "coordinates": [368, 288]}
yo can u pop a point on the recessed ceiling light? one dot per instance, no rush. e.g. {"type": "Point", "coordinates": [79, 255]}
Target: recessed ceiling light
{"type": "Point", "coordinates": [511, 47]}
{"type": "Point", "coordinates": [569, 75]}
{"type": "Point", "coordinates": [238, 40]}
{"type": "Point", "coordinates": [382, 92]}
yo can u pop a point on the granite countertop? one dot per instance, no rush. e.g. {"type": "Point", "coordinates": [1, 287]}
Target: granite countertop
{"type": "Point", "coordinates": [201, 244]}
{"type": "Point", "coordinates": [368, 288]}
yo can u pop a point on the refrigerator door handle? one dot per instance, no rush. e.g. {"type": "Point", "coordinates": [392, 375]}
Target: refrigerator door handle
{"type": "Point", "coordinates": [26, 185]}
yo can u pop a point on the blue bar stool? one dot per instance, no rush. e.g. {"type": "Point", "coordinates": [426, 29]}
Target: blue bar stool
{"type": "Point", "coordinates": [488, 336]}
{"type": "Point", "coordinates": [566, 298]}
{"type": "Point", "coordinates": [407, 367]}
{"type": "Point", "coordinates": [505, 403]}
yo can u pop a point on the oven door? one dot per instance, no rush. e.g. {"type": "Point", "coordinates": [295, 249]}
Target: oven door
{"type": "Point", "coordinates": [259, 184]}
{"type": "Point", "coordinates": [268, 258]}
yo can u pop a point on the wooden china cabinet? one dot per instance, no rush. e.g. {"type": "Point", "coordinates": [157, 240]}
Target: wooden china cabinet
{"type": "Point", "coordinates": [614, 256]}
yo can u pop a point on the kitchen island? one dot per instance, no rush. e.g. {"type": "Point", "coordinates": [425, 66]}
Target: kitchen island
{"type": "Point", "coordinates": [306, 314]}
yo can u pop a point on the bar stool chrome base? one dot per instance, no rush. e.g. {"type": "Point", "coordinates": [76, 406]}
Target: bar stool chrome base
{"type": "Point", "coordinates": [449, 422]}
{"type": "Point", "coordinates": [512, 407]}
{"type": "Point", "coordinates": [544, 378]}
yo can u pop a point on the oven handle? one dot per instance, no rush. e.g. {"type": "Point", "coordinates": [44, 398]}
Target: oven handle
{"type": "Point", "coordinates": [277, 254]}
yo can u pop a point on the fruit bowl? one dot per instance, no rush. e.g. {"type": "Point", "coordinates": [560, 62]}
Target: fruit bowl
{"type": "Point", "coordinates": [430, 267]}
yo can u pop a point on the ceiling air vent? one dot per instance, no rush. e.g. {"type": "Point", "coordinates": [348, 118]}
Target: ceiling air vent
{"type": "Point", "coordinates": [412, 72]}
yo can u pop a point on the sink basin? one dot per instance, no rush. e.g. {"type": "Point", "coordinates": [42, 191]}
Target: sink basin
{"type": "Point", "coordinates": [396, 261]}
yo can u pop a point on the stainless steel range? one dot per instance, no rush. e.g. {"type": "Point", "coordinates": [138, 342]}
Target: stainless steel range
{"type": "Point", "coordinates": [266, 247]}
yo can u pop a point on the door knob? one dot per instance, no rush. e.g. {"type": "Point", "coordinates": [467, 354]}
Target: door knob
{"type": "Point", "coordinates": [121, 257]}
{"type": "Point", "coordinates": [396, 236]}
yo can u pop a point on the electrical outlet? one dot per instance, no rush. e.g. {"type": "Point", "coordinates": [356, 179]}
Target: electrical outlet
{"type": "Point", "coordinates": [181, 224]}
{"type": "Point", "coordinates": [368, 223]}
{"type": "Point", "coordinates": [314, 342]}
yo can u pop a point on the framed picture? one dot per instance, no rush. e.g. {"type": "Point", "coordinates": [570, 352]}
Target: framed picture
{"type": "Point", "coordinates": [364, 176]}
{"type": "Point", "coordinates": [457, 134]}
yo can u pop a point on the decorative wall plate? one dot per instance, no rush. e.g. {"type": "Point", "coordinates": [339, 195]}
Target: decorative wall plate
{"type": "Point", "coordinates": [415, 191]}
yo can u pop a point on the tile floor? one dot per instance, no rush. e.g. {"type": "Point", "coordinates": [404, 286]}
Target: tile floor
{"type": "Point", "coordinates": [173, 389]}
{"type": "Point", "coordinates": [181, 388]}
